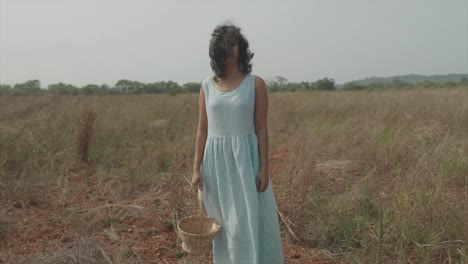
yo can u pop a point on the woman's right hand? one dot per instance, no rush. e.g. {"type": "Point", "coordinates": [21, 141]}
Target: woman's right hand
{"type": "Point", "coordinates": [197, 181]}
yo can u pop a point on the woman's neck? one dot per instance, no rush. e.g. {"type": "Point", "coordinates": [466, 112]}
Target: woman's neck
{"type": "Point", "coordinates": [232, 71]}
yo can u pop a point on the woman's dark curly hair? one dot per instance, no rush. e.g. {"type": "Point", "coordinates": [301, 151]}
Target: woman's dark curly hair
{"type": "Point", "coordinates": [221, 49]}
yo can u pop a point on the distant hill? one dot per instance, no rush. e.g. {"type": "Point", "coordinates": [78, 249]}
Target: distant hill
{"type": "Point", "coordinates": [415, 78]}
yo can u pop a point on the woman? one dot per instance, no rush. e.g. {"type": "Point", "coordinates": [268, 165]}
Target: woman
{"type": "Point", "coordinates": [231, 157]}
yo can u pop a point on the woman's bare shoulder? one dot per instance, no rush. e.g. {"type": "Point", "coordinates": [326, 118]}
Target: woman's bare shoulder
{"type": "Point", "coordinates": [259, 83]}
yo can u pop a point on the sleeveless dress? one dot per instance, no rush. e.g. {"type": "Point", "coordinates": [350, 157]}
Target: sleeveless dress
{"type": "Point", "coordinates": [250, 231]}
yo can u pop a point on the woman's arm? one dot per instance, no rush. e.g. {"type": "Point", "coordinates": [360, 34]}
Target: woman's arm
{"type": "Point", "coordinates": [202, 131]}
{"type": "Point", "coordinates": [261, 129]}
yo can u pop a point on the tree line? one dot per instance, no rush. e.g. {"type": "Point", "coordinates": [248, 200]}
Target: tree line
{"type": "Point", "coordinates": [276, 84]}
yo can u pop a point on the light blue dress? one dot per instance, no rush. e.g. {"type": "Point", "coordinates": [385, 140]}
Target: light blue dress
{"type": "Point", "coordinates": [250, 231]}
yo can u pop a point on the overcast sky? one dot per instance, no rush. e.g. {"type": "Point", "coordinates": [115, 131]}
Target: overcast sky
{"type": "Point", "coordinates": [102, 41]}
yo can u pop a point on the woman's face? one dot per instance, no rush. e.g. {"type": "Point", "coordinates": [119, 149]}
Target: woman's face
{"type": "Point", "coordinates": [233, 55]}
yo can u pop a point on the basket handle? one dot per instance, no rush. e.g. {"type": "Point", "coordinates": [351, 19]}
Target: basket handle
{"type": "Point", "coordinates": [200, 202]}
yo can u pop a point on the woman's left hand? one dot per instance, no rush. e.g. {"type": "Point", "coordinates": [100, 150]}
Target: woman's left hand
{"type": "Point", "coordinates": [262, 181]}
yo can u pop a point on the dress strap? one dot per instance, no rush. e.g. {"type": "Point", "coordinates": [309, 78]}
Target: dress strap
{"type": "Point", "coordinates": [206, 88]}
{"type": "Point", "coordinates": [252, 86]}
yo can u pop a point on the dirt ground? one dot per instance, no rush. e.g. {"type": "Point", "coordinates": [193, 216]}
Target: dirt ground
{"type": "Point", "coordinates": [39, 232]}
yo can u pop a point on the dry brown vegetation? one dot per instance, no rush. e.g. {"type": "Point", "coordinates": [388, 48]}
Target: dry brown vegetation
{"type": "Point", "coordinates": [359, 177]}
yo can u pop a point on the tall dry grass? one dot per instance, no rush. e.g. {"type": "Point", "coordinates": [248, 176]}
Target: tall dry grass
{"type": "Point", "coordinates": [370, 177]}
{"type": "Point", "coordinates": [381, 177]}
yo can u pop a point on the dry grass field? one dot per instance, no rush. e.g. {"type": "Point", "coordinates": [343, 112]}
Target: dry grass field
{"type": "Point", "coordinates": [359, 177]}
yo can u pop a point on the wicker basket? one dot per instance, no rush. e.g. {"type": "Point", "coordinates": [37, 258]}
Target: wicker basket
{"type": "Point", "coordinates": [197, 231]}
